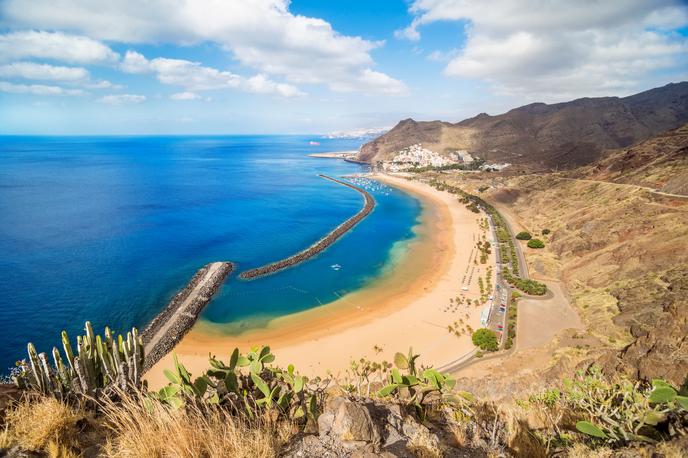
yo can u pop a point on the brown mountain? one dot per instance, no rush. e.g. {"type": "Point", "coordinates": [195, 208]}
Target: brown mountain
{"type": "Point", "coordinates": [546, 136]}
{"type": "Point", "coordinates": [659, 163]}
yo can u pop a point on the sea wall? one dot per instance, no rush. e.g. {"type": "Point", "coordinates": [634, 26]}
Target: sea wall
{"type": "Point", "coordinates": [321, 244]}
{"type": "Point", "coordinates": [177, 318]}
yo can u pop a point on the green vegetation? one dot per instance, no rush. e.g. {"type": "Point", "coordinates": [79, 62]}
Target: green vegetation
{"type": "Point", "coordinates": [545, 231]}
{"type": "Point", "coordinates": [250, 407]}
{"type": "Point", "coordinates": [511, 317]}
{"type": "Point", "coordinates": [483, 188]}
{"type": "Point", "coordinates": [475, 165]}
{"type": "Point", "coordinates": [524, 235]}
{"type": "Point", "coordinates": [527, 286]}
{"type": "Point", "coordinates": [485, 339]}
{"type": "Point", "coordinates": [257, 388]}
{"type": "Point", "coordinates": [536, 243]}
{"type": "Point", "coordinates": [614, 412]}
{"type": "Point", "coordinates": [414, 387]}
{"type": "Point", "coordinates": [507, 248]}
{"type": "Point", "coordinates": [101, 362]}
{"type": "Point", "coordinates": [485, 249]}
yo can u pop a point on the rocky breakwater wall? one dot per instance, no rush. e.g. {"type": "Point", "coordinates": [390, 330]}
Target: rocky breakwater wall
{"type": "Point", "coordinates": [321, 244]}
{"type": "Point", "coordinates": [170, 325]}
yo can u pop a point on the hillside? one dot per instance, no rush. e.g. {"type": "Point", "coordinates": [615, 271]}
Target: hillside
{"type": "Point", "coordinates": [659, 163]}
{"type": "Point", "coordinates": [540, 136]}
{"type": "Point", "coordinates": [616, 247]}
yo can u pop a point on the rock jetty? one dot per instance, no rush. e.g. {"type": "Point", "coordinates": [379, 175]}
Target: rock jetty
{"type": "Point", "coordinates": [170, 325]}
{"type": "Point", "coordinates": [321, 244]}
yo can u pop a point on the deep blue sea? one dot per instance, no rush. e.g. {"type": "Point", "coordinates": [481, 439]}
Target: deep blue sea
{"type": "Point", "coordinates": [108, 229]}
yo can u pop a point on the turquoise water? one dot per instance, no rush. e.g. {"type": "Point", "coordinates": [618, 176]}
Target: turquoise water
{"type": "Point", "coordinates": [108, 229]}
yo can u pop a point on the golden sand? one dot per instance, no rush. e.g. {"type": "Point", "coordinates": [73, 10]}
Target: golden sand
{"type": "Point", "coordinates": [405, 307]}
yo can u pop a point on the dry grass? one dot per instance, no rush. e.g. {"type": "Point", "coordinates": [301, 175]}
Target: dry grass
{"type": "Point", "coordinates": [156, 431]}
{"type": "Point", "coordinates": [5, 439]}
{"type": "Point", "coordinates": [583, 451]}
{"type": "Point", "coordinates": [44, 424]}
{"type": "Point", "coordinates": [57, 450]}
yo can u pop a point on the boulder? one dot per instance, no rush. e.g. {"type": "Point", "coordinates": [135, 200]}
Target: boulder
{"type": "Point", "coordinates": [352, 424]}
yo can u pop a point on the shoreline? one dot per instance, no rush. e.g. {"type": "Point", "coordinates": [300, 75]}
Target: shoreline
{"type": "Point", "coordinates": [405, 306]}
{"type": "Point", "coordinates": [334, 154]}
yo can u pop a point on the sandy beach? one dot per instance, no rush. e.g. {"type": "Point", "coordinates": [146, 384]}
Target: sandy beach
{"type": "Point", "coordinates": [407, 306]}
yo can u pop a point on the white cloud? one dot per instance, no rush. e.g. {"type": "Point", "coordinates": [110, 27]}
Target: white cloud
{"type": "Point", "coordinates": [262, 85]}
{"type": "Point", "coordinates": [122, 99]}
{"type": "Point", "coordinates": [44, 72]}
{"type": "Point", "coordinates": [261, 34]}
{"type": "Point", "coordinates": [74, 76]}
{"type": "Point", "coordinates": [102, 84]}
{"type": "Point", "coordinates": [193, 76]}
{"type": "Point", "coordinates": [371, 82]}
{"type": "Point", "coordinates": [556, 50]}
{"type": "Point", "coordinates": [54, 46]}
{"type": "Point", "coordinates": [185, 96]}
{"type": "Point", "coordinates": [37, 89]}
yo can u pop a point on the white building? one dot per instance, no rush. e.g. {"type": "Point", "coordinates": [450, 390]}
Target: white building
{"type": "Point", "coordinates": [465, 156]}
{"type": "Point", "coordinates": [417, 156]}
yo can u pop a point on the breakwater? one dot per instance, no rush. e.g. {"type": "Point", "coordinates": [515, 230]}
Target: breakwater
{"type": "Point", "coordinates": [170, 325]}
{"type": "Point", "coordinates": [321, 244]}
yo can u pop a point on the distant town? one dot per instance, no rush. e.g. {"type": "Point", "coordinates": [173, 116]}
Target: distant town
{"type": "Point", "coordinates": [415, 157]}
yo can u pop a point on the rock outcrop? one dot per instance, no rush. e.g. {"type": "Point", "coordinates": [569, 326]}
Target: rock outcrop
{"type": "Point", "coordinates": [358, 428]}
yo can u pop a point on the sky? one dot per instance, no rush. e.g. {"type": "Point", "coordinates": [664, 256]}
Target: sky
{"type": "Point", "coordinates": [118, 67]}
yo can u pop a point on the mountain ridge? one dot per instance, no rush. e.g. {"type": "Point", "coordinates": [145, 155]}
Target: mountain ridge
{"type": "Point", "coordinates": [545, 136]}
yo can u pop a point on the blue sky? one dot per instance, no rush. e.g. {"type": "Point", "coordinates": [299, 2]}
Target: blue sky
{"type": "Point", "coordinates": [306, 66]}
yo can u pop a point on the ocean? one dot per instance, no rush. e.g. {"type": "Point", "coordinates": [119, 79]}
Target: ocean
{"type": "Point", "coordinates": [108, 229]}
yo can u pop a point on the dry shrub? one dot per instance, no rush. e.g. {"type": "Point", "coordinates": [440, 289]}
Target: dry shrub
{"type": "Point", "coordinates": [521, 439]}
{"type": "Point", "coordinates": [37, 423]}
{"type": "Point", "coordinates": [5, 440]}
{"type": "Point", "coordinates": [580, 450]}
{"type": "Point", "coordinates": [57, 450]}
{"type": "Point", "coordinates": [141, 430]}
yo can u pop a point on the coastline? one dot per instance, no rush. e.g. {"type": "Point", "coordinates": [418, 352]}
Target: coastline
{"type": "Point", "coordinates": [404, 307]}
{"type": "Point", "coordinates": [335, 154]}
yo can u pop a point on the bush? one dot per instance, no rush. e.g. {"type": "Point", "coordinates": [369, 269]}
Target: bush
{"type": "Point", "coordinates": [527, 286]}
{"type": "Point", "coordinates": [485, 339]}
{"type": "Point", "coordinates": [524, 235]}
{"type": "Point", "coordinates": [614, 412]}
{"type": "Point", "coordinates": [545, 231]}
{"type": "Point", "coordinates": [536, 243]}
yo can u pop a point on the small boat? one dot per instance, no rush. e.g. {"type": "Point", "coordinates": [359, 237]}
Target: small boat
{"type": "Point", "coordinates": [335, 266]}
{"type": "Point", "coordinates": [312, 143]}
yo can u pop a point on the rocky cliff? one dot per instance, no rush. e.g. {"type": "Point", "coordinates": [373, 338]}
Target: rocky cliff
{"type": "Point", "coordinates": [544, 136]}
